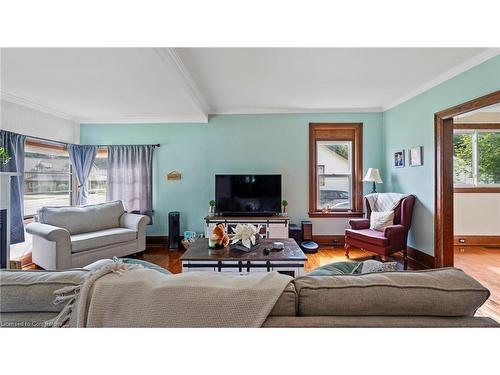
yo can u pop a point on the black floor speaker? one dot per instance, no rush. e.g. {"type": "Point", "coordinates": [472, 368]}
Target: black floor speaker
{"type": "Point", "coordinates": [295, 232]}
{"type": "Point", "coordinates": [174, 229]}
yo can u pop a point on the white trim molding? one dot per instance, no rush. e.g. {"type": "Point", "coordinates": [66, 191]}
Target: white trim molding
{"type": "Point", "coordinates": [263, 111]}
{"type": "Point", "coordinates": [201, 119]}
{"type": "Point", "coordinates": [36, 106]}
{"type": "Point", "coordinates": [173, 60]}
{"type": "Point", "coordinates": [463, 67]}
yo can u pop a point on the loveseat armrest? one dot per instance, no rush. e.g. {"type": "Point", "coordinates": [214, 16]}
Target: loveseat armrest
{"type": "Point", "coordinates": [392, 230]}
{"type": "Point", "coordinates": [359, 223]}
{"type": "Point", "coordinates": [51, 246]}
{"type": "Point", "coordinates": [48, 232]}
{"type": "Point", "coordinates": [134, 222]}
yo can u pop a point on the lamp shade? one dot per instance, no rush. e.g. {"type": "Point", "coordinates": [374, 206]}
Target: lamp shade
{"type": "Point", "coordinates": [373, 175]}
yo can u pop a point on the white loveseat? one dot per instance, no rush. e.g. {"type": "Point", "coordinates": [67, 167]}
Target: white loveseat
{"type": "Point", "coordinates": [69, 237]}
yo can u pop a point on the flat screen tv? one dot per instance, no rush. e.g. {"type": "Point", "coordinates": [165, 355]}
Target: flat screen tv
{"type": "Point", "coordinates": [247, 195]}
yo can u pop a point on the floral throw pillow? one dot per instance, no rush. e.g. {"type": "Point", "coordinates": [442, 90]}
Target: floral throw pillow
{"type": "Point", "coordinates": [376, 266]}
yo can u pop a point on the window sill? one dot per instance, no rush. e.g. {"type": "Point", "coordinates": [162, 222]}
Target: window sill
{"type": "Point", "coordinates": [340, 214]}
{"type": "Point", "coordinates": [493, 189]}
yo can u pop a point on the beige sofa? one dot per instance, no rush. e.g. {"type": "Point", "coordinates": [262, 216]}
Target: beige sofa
{"type": "Point", "coordinates": [432, 298]}
{"type": "Point", "coordinates": [69, 237]}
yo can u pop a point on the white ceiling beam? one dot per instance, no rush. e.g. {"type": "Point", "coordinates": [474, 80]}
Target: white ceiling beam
{"type": "Point", "coordinates": [173, 61]}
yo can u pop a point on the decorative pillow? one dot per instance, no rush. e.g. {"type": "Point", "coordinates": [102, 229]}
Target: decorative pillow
{"type": "Point", "coordinates": [380, 220]}
{"type": "Point", "coordinates": [337, 268]}
{"type": "Point", "coordinates": [370, 266]}
{"type": "Point", "coordinates": [143, 263]}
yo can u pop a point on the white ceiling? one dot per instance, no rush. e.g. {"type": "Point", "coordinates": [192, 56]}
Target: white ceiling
{"type": "Point", "coordinates": [187, 84]}
{"type": "Point", "coordinates": [100, 84]}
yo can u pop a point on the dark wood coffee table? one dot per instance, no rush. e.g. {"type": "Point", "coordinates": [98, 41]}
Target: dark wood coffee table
{"type": "Point", "coordinates": [290, 260]}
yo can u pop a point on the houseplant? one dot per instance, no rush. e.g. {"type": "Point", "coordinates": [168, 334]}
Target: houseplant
{"type": "Point", "coordinates": [4, 156]}
{"type": "Point", "coordinates": [285, 204]}
{"type": "Point", "coordinates": [211, 207]}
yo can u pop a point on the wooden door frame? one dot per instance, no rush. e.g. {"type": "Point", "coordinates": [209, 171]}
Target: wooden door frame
{"type": "Point", "coordinates": [443, 198]}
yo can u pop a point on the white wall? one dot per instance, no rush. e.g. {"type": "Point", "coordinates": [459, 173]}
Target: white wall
{"type": "Point", "coordinates": [27, 121]}
{"type": "Point", "coordinates": [477, 214]}
{"type": "Point", "coordinates": [329, 226]}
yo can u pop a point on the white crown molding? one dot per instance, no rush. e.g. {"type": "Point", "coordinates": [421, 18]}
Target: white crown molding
{"type": "Point", "coordinates": [263, 111]}
{"type": "Point", "coordinates": [115, 120]}
{"type": "Point", "coordinates": [201, 119]}
{"type": "Point", "coordinates": [466, 65]}
{"type": "Point", "coordinates": [36, 106]}
{"type": "Point", "coordinates": [173, 60]}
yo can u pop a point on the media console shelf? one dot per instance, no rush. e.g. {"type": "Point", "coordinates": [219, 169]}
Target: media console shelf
{"type": "Point", "coordinates": [273, 227]}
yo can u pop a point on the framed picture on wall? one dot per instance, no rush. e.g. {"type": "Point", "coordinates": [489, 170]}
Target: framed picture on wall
{"type": "Point", "coordinates": [415, 156]}
{"type": "Point", "coordinates": [399, 159]}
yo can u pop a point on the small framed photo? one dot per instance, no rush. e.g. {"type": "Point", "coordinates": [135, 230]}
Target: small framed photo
{"type": "Point", "coordinates": [415, 156]}
{"type": "Point", "coordinates": [399, 159]}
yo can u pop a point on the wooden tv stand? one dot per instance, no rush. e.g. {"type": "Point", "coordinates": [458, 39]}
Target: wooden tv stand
{"type": "Point", "coordinates": [273, 227]}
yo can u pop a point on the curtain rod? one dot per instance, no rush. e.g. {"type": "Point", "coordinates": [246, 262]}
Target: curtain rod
{"type": "Point", "coordinates": [66, 143]}
{"type": "Point", "coordinates": [156, 145]}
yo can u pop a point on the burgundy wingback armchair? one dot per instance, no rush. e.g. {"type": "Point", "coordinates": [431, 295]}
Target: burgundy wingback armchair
{"type": "Point", "coordinates": [391, 240]}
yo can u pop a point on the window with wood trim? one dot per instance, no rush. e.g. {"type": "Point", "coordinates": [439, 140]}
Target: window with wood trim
{"type": "Point", "coordinates": [48, 177]}
{"type": "Point", "coordinates": [335, 157]}
{"type": "Point", "coordinates": [476, 158]}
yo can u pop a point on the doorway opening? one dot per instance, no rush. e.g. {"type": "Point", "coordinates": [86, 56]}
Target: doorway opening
{"type": "Point", "coordinates": [467, 201]}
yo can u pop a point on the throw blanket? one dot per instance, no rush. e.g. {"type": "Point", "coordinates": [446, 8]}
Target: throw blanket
{"type": "Point", "coordinates": [384, 201]}
{"type": "Point", "coordinates": [126, 295]}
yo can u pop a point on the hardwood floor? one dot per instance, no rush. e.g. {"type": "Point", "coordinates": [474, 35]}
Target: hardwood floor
{"type": "Point", "coordinates": [483, 264]}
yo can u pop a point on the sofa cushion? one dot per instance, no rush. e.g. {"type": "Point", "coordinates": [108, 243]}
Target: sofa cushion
{"type": "Point", "coordinates": [83, 219]}
{"type": "Point", "coordinates": [286, 305]}
{"type": "Point", "coordinates": [28, 291]}
{"type": "Point", "coordinates": [374, 237]}
{"type": "Point", "coordinates": [441, 292]}
{"type": "Point", "coordinates": [101, 238]}
{"type": "Point", "coordinates": [378, 322]}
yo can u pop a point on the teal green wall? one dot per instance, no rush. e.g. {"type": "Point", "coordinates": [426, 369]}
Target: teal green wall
{"type": "Point", "coordinates": [278, 143]}
{"type": "Point", "coordinates": [274, 143]}
{"type": "Point", "coordinates": [412, 124]}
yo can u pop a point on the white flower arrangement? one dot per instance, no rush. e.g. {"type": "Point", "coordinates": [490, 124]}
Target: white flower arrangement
{"type": "Point", "coordinates": [246, 233]}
